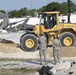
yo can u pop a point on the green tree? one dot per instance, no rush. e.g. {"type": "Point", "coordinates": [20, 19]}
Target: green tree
{"type": "Point", "coordinates": [2, 11]}
{"type": "Point", "coordinates": [43, 9]}
{"type": "Point", "coordinates": [73, 7]}
{"type": "Point", "coordinates": [54, 6]}
{"type": "Point", "coordinates": [64, 8]}
{"type": "Point", "coordinates": [22, 12]}
{"type": "Point", "coordinates": [13, 13]}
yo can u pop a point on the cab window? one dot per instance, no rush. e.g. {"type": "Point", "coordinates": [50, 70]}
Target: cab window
{"type": "Point", "coordinates": [49, 20]}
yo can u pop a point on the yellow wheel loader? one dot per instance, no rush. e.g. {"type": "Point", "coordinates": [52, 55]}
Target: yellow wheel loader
{"type": "Point", "coordinates": [49, 24]}
{"type": "Point", "coordinates": [27, 35]}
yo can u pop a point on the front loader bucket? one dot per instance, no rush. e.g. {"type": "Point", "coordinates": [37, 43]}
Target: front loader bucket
{"type": "Point", "coordinates": [4, 23]}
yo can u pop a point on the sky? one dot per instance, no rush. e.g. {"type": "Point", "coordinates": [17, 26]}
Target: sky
{"type": "Point", "coordinates": [9, 5]}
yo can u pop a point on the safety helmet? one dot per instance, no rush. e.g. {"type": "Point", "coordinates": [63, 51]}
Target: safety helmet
{"type": "Point", "coordinates": [55, 36]}
{"type": "Point", "coordinates": [42, 33]}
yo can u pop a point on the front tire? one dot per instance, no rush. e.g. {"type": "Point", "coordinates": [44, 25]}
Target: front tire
{"type": "Point", "coordinates": [29, 42]}
{"type": "Point", "coordinates": [67, 39]}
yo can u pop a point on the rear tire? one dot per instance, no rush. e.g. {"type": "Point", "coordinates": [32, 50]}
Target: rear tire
{"type": "Point", "coordinates": [29, 42]}
{"type": "Point", "coordinates": [67, 39]}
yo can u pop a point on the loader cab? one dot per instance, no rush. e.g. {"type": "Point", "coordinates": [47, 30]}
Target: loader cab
{"type": "Point", "coordinates": [49, 19]}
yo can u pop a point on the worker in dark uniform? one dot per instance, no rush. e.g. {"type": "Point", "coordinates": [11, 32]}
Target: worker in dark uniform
{"type": "Point", "coordinates": [56, 44]}
{"type": "Point", "coordinates": [42, 48]}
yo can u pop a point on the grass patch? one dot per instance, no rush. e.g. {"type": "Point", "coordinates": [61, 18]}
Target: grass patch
{"type": "Point", "coordinates": [9, 64]}
{"type": "Point", "coordinates": [12, 59]}
{"type": "Point", "coordinates": [17, 71]}
{"type": "Point", "coordinates": [26, 70]}
{"type": "Point", "coordinates": [4, 74]}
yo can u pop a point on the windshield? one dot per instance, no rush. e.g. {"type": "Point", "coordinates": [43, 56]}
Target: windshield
{"type": "Point", "coordinates": [48, 20]}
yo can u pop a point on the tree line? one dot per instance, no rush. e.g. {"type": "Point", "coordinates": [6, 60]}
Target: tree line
{"type": "Point", "coordinates": [53, 6]}
{"type": "Point", "coordinates": [62, 7]}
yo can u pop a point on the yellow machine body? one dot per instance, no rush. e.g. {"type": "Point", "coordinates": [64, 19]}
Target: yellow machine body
{"type": "Point", "coordinates": [58, 30]}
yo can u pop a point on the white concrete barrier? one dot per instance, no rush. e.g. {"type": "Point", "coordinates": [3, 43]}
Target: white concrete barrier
{"type": "Point", "coordinates": [61, 67]}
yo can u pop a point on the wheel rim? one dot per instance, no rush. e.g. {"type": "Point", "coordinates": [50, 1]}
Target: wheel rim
{"type": "Point", "coordinates": [29, 43]}
{"type": "Point", "coordinates": [67, 41]}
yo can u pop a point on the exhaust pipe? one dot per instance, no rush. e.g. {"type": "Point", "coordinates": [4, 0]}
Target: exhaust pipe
{"type": "Point", "coordinates": [69, 11]}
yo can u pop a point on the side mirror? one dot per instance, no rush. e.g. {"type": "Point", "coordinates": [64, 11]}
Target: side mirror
{"type": "Point", "coordinates": [63, 20]}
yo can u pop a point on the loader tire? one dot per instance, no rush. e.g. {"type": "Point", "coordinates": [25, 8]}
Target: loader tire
{"type": "Point", "coordinates": [67, 39]}
{"type": "Point", "coordinates": [29, 42]}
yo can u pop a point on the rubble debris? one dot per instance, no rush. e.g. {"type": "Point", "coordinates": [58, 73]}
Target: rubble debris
{"type": "Point", "coordinates": [45, 70]}
{"type": "Point", "coordinates": [60, 67]}
{"type": "Point", "coordinates": [70, 71]}
{"type": "Point", "coordinates": [64, 68]}
{"type": "Point", "coordinates": [37, 73]}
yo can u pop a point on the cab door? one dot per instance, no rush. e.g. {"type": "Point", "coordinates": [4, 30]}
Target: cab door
{"type": "Point", "coordinates": [49, 21]}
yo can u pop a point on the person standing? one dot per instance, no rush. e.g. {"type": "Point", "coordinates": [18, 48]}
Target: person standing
{"type": "Point", "coordinates": [42, 48]}
{"type": "Point", "coordinates": [56, 44]}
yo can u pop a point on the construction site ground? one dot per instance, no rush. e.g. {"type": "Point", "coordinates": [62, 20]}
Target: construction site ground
{"type": "Point", "coordinates": [9, 49]}
{"type": "Point", "coordinates": [14, 61]}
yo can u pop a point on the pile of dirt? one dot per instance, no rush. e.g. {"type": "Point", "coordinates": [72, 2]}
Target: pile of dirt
{"type": "Point", "coordinates": [65, 51]}
{"type": "Point", "coordinates": [9, 49]}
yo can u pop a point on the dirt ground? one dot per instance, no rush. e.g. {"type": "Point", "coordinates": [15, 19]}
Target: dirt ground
{"type": "Point", "coordinates": [16, 72]}
{"type": "Point", "coordinates": [65, 51]}
{"type": "Point", "coordinates": [8, 47]}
